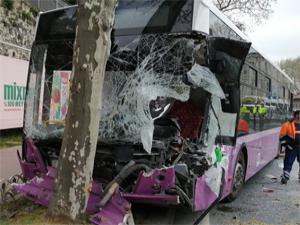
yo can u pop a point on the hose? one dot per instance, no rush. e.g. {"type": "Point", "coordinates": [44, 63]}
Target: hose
{"type": "Point", "coordinates": [181, 193]}
{"type": "Point", "coordinates": [127, 170]}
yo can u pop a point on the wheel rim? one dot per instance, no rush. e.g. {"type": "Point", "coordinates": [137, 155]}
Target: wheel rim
{"type": "Point", "coordinates": [238, 177]}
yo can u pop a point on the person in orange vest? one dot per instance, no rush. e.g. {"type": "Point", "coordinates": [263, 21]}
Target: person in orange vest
{"type": "Point", "coordinates": [243, 127]}
{"type": "Point", "coordinates": [290, 138]}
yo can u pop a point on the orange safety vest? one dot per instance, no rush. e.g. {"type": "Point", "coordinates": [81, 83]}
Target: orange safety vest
{"type": "Point", "coordinates": [243, 126]}
{"type": "Point", "coordinates": [288, 131]}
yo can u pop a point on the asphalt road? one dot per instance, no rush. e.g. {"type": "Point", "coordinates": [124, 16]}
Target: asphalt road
{"type": "Point", "coordinates": [257, 204]}
{"type": "Point", "coordinates": [262, 201]}
{"type": "Point", "coordinates": [9, 164]}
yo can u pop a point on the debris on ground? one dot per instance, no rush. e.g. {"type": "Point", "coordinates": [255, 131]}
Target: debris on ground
{"type": "Point", "coordinates": [7, 193]}
{"type": "Point", "coordinates": [268, 190]}
{"type": "Point", "coordinates": [272, 177]}
{"type": "Point", "coordinates": [280, 165]}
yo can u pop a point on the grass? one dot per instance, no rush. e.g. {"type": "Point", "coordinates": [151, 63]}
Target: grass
{"type": "Point", "coordinates": [24, 212]}
{"type": "Point", "coordinates": [20, 211]}
{"type": "Point", "coordinates": [10, 138]}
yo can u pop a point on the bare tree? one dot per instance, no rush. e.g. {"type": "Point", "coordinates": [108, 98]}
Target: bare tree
{"type": "Point", "coordinates": [291, 67]}
{"type": "Point", "coordinates": [91, 51]}
{"type": "Point", "coordinates": [256, 10]}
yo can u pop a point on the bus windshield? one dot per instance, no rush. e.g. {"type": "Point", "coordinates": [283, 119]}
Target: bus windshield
{"type": "Point", "coordinates": [150, 78]}
{"type": "Point", "coordinates": [140, 84]}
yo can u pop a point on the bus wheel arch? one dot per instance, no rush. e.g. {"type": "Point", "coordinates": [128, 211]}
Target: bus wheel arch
{"type": "Point", "coordinates": [245, 154]}
{"type": "Point", "coordinates": [239, 174]}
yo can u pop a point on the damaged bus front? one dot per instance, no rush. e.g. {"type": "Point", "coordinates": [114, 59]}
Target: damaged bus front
{"type": "Point", "coordinates": [170, 108]}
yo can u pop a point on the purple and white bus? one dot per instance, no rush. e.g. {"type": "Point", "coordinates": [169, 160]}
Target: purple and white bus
{"type": "Point", "coordinates": [190, 110]}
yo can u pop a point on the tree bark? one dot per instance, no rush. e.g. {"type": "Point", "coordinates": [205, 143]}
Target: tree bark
{"type": "Point", "coordinates": [91, 51]}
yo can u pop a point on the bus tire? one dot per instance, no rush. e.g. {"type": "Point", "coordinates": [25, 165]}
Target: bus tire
{"type": "Point", "coordinates": [238, 178]}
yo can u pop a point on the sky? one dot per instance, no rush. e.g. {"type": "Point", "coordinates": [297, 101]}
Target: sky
{"type": "Point", "coordinates": [279, 37]}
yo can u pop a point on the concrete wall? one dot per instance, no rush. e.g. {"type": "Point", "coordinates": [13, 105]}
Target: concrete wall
{"type": "Point", "coordinates": [17, 29]}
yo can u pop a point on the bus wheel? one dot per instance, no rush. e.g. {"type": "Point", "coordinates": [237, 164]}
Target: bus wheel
{"type": "Point", "coordinates": [238, 178]}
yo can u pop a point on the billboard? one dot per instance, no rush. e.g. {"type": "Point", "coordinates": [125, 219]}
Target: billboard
{"type": "Point", "coordinates": [13, 77]}
{"type": "Point", "coordinates": [59, 96]}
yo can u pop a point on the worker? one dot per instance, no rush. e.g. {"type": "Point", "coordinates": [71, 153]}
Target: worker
{"type": "Point", "coordinates": [290, 138]}
{"type": "Point", "coordinates": [243, 127]}
{"type": "Point", "coordinates": [245, 112]}
{"type": "Point", "coordinates": [254, 112]}
{"type": "Point", "coordinates": [262, 111]}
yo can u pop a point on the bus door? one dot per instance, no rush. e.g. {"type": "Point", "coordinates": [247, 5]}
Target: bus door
{"type": "Point", "coordinates": [226, 58]}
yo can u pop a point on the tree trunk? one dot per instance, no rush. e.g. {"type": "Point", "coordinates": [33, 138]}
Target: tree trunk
{"type": "Point", "coordinates": [91, 51]}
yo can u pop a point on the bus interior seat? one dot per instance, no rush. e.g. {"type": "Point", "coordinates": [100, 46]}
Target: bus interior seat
{"type": "Point", "coordinates": [188, 116]}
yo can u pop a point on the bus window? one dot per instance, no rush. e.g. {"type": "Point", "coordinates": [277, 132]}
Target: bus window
{"type": "Point", "coordinates": [154, 16]}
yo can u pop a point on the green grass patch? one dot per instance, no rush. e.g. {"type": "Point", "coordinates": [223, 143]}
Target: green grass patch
{"type": "Point", "coordinates": [10, 139]}
{"type": "Point", "coordinates": [24, 212]}
{"type": "Point", "coordinates": [20, 211]}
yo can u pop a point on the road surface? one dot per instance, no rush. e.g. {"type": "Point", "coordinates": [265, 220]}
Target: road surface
{"type": "Point", "coordinates": [9, 164]}
{"type": "Point", "coordinates": [263, 200]}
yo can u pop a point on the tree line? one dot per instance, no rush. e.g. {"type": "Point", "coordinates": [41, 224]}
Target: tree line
{"type": "Point", "coordinates": [291, 66]}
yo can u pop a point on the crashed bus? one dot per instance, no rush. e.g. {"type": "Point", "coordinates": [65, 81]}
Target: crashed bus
{"type": "Point", "coordinates": [169, 130]}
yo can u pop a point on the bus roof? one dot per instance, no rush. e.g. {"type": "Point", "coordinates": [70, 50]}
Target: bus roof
{"type": "Point", "coordinates": [232, 26]}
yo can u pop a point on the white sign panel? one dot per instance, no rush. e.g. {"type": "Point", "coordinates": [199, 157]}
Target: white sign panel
{"type": "Point", "coordinates": [13, 77]}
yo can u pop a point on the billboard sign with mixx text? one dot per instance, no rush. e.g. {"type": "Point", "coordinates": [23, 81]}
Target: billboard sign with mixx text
{"type": "Point", "coordinates": [13, 77]}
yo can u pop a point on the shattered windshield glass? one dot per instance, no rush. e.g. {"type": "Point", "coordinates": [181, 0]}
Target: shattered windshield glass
{"type": "Point", "coordinates": [152, 80]}
{"type": "Point", "coordinates": [151, 76]}
{"type": "Point", "coordinates": [155, 67]}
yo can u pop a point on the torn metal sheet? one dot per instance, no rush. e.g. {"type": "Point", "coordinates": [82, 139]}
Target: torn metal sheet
{"type": "Point", "coordinates": [117, 210]}
{"type": "Point", "coordinates": [213, 178]}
